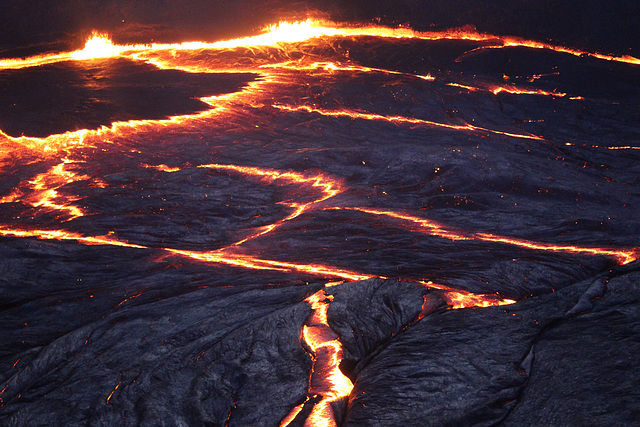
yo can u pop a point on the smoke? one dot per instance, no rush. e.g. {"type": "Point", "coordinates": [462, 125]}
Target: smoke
{"type": "Point", "coordinates": [41, 25]}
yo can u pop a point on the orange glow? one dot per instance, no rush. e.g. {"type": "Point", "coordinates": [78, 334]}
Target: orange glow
{"type": "Point", "coordinates": [65, 235]}
{"type": "Point", "coordinates": [514, 90]}
{"type": "Point", "coordinates": [218, 257]}
{"type": "Point", "coordinates": [402, 120]}
{"type": "Point", "coordinates": [621, 147]}
{"type": "Point", "coordinates": [224, 256]}
{"type": "Point", "coordinates": [416, 224]}
{"type": "Point", "coordinates": [627, 147]}
{"type": "Point", "coordinates": [128, 299]}
{"type": "Point", "coordinates": [99, 45]}
{"type": "Point", "coordinates": [328, 187]}
{"type": "Point", "coordinates": [517, 42]}
{"type": "Point", "coordinates": [622, 256]}
{"type": "Point", "coordinates": [278, 35]}
{"type": "Point", "coordinates": [113, 391]}
{"type": "Point", "coordinates": [461, 299]}
{"type": "Point", "coordinates": [163, 168]}
{"type": "Point", "coordinates": [327, 66]}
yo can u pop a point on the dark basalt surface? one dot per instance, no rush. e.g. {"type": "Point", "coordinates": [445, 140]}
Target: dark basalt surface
{"type": "Point", "coordinates": [106, 335]}
{"type": "Point", "coordinates": [68, 96]}
{"type": "Point", "coordinates": [548, 360]}
{"type": "Point", "coordinates": [183, 348]}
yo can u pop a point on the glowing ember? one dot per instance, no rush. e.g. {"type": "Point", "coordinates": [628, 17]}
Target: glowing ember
{"type": "Point", "coordinates": [113, 391]}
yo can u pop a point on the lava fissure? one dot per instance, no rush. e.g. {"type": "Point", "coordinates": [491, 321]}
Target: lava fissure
{"type": "Point", "coordinates": [435, 229]}
{"type": "Point", "coordinates": [326, 378]}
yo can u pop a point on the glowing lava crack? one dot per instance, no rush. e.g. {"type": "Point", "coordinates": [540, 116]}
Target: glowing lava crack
{"type": "Point", "coordinates": [327, 381]}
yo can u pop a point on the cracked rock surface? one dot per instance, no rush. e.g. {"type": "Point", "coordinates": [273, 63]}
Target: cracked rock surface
{"type": "Point", "coordinates": [515, 365]}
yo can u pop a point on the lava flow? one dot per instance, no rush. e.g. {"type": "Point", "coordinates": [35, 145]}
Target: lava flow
{"type": "Point", "coordinates": [283, 136]}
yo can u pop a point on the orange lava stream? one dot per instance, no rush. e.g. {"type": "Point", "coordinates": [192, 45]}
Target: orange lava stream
{"type": "Point", "coordinates": [622, 256]}
{"type": "Point", "coordinates": [226, 256]}
{"type": "Point", "coordinates": [434, 229]}
{"type": "Point", "coordinates": [113, 391]}
{"type": "Point", "coordinates": [620, 147]}
{"type": "Point", "coordinates": [292, 415]}
{"type": "Point", "coordinates": [503, 42]}
{"type": "Point", "coordinates": [326, 379]}
{"type": "Point", "coordinates": [67, 235]}
{"type": "Point", "coordinates": [51, 145]}
{"type": "Point", "coordinates": [400, 119]}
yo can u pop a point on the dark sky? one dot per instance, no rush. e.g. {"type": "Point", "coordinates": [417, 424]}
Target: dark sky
{"type": "Point", "coordinates": [605, 25]}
